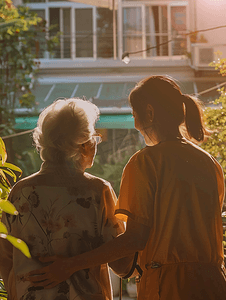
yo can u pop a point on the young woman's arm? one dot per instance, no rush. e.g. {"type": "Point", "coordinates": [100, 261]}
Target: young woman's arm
{"type": "Point", "coordinates": [134, 239]}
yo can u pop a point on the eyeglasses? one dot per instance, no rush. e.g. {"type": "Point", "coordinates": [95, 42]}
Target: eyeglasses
{"type": "Point", "coordinates": [98, 138]}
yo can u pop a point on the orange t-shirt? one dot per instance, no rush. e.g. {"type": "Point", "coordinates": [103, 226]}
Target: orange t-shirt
{"type": "Point", "coordinates": [176, 189]}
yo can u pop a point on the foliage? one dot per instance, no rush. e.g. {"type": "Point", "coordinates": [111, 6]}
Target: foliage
{"type": "Point", "coordinates": [219, 63]}
{"type": "Point", "coordinates": [29, 161]}
{"type": "Point", "coordinates": [110, 172]}
{"type": "Point", "coordinates": [7, 169]}
{"type": "Point", "coordinates": [3, 292]}
{"type": "Point", "coordinates": [21, 33]}
{"type": "Point", "coordinates": [216, 121]}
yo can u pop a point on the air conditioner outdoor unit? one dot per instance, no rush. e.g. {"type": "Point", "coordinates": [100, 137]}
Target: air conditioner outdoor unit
{"type": "Point", "coordinates": [202, 55]}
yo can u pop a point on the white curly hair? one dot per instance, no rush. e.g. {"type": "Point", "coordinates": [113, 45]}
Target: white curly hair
{"type": "Point", "coordinates": [62, 127]}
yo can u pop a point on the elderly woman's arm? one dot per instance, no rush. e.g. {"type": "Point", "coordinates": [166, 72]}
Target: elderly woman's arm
{"type": "Point", "coordinates": [126, 244]}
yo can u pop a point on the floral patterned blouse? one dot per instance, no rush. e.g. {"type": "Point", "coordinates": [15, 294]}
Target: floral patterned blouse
{"type": "Point", "coordinates": [61, 212]}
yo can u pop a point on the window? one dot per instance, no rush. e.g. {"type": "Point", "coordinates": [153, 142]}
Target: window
{"type": "Point", "coordinates": [156, 30]}
{"type": "Point", "coordinates": [66, 39]}
{"type": "Point", "coordinates": [54, 21]}
{"type": "Point", "coordinates": [146, 26]}
{"type": "Point", "coordinates": [178, 27]}
{"type": "Point", "coordinates": [60, 20]}
{"type": "Point", "coordinates": [132, 28]}
{"type": "Point", "coordinates": [84, 32]}
{"type": "Point", "coordinates": [40, 47]}
{"type": "Point", "coordinates": [104, 32]}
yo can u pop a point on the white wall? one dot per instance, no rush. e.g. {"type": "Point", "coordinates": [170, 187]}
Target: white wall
{"type": "Point", "coordinates": [212, 13]}
{"type": "Point", "coordinates": [17, 2]}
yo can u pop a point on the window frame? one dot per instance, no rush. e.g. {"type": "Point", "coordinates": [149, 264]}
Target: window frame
{"type": "Point", "coordinates": [143, 4]}
{"type": "Point", "coordinates": [72, 5]}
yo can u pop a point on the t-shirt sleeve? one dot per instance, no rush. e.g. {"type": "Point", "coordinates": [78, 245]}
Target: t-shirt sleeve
{"type": "Point", "coordinates": [111, 226]}
{"type": "Point", "coordinates": [137, 192]}
{"type": "Point", "coordinates": [220, 182]}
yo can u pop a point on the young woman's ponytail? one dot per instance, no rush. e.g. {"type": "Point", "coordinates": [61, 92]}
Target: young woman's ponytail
{"type": "Point", "coordinates": [193, 118]}
{"type": "Point", "coordinates": [175, 114]}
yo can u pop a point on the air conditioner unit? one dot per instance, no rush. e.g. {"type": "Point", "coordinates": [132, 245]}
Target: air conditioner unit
{"type": "Point", "coordinates": [202, 55]}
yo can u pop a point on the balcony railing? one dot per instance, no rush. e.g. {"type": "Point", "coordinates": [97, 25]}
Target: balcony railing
{"type": "Point", "coordinates": [88, 45]}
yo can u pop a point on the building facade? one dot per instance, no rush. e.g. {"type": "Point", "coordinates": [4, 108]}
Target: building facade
{"type": "Point", "coordinates": [87, 62]}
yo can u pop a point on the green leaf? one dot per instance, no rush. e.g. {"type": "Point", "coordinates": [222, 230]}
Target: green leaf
{"type": "Point", "coordinates": [10, 173]}
{"type": "Point", "coordinates": [3, 153]}
{"type": "Point", "coordinates": [3, 295]}
{"type": "Point", "coordinates": [12, 167]}
{"type": "Point", "coordinates": [2, 173]}
{"type": "Point", "coordinates": [19, 244]}
{"type": "Point", "coordinates": [8, 207]}
{"type": "Point", "coordinates": [3, 228]}
{"type": "Point", "coordinates": [3, 292]}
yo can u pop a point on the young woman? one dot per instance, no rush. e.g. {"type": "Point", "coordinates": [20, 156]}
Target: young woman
{"type": "Point", "coordinates": [171, 197]}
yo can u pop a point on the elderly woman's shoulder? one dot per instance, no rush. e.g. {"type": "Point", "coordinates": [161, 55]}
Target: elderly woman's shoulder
{"type": "Point", "coordinates": [27, 181]}
{"type": "Point", "coordinates": [97, 181]}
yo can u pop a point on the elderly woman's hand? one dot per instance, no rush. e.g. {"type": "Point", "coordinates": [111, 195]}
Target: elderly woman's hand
{"type": "Point", "coordinates": [50, 276]}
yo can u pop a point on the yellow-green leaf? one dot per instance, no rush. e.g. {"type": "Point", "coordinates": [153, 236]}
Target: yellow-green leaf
{"type": "Point", "coordinates": [10, 173]}
{"type": "Point", "coordinates": [2, 173]}
{"type": "Point", "coordinates": [19, 244]}
{"type": "Point", "coordinates": [4, 191]}
{"type": "Point", "coordinates": [8, 207]}
{"type": "Point", "coordinates": [3, 228]}
{"type": "Point", "coordinates": [12, 167]}
{"type": "Point", "coordinates": [3, 153]}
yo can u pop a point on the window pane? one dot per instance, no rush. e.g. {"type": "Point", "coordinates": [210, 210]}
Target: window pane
{"type": "Point", "coordinates": [132, 30]}
{"type": "Point", "coordinates": [178, 27]}
{"type": "Point", "coordinates": [156, 30]}
{"type": "Point", "coordinates": [152, 27]}
{"type": "Point", "coordinates": [163, 11]}
{"type": "Point", "coordinates": [84, 32]}
{"type": "Point", "coordinates": [40, 45]}
{"type": "Point", "coordinates": [104, 32]}
{"type": "Point", "coordinates": [67, 32]}
{"type": "Point", "coordinates": [40, 13]}
{"type": "Point", "coordinates": [54, 19]}
{"type": "Point", "coordinates": [132, 20]}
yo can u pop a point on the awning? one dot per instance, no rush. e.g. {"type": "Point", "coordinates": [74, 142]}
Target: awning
{"type": "Point", "coordinates": [110, 97]}
{"type": "Point", "coordinates": [105, 121]}
{"type": "Point", "coordinates": [110, 94]}
{"type": "Point", "coordinates": [114, 94]}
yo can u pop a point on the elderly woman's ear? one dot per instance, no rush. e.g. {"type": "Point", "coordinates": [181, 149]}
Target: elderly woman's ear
{"type": "Point", "coordinates": [84, 149]}
{"type": "Point", "coordinates": [88, 152]}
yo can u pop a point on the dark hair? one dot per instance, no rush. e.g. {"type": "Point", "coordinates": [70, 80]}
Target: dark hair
{"type": "Point", "coordinates": [172, 109]}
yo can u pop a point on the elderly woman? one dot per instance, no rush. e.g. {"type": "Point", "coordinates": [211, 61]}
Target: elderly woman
{"type": "Point", "coordinates": [62, 210]}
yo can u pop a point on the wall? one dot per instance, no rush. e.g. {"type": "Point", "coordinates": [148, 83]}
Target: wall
{"type": "Point", "coordinates": [211, 13]}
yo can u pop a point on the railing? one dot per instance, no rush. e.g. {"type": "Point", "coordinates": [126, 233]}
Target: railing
{"type": "Point", "coordinates": [88, 45]}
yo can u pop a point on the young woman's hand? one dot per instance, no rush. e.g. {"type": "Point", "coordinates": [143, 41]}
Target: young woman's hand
{"type": "Point", "coordinates": [124, 245]}
{"type": "Point", "coordinates": [48, 277]}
